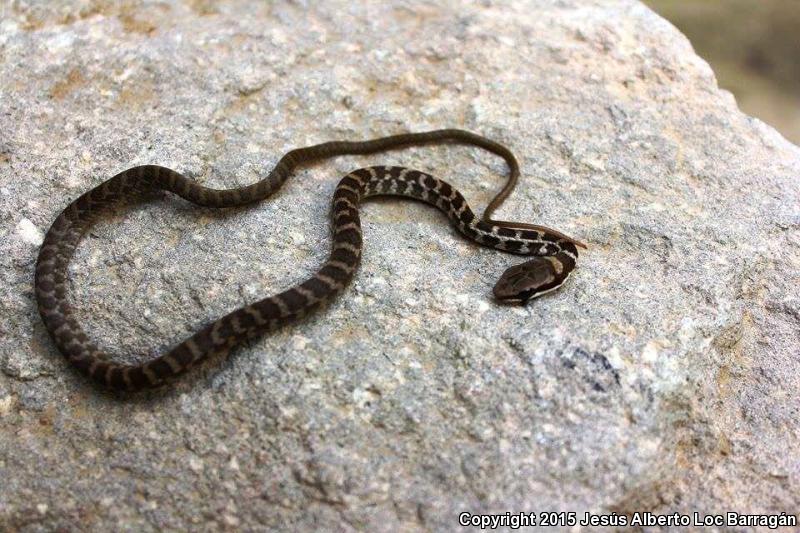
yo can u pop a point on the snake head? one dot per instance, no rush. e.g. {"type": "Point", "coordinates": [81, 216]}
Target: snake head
{"type": "Point", "coordinates": [540, 275]}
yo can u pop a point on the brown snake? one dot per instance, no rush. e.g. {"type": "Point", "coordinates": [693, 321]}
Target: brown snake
{"type": "Point", "coordinates": [555, 253]}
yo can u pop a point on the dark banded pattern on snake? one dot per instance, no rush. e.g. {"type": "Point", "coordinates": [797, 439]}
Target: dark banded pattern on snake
{"type": "Point", "coordinates": [556, 253]}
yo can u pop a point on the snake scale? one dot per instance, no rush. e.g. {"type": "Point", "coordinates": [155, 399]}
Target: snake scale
{"type": "Point", "coordinates": [555, 254]}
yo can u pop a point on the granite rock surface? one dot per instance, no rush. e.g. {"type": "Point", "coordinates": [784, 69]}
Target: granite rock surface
{"type": "Point", "coordinates": [662, 377]}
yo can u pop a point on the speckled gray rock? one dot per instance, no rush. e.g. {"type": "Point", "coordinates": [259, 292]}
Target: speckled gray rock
{"type": "Point", "coordinates": [662, 377]}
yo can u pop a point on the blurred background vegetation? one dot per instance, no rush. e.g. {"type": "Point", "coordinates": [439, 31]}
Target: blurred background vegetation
{"type": "Point", "coordinates": [753, 47]}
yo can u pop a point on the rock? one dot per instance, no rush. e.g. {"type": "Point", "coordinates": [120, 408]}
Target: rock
{"type": "Point", "coordinates": [662, 377]}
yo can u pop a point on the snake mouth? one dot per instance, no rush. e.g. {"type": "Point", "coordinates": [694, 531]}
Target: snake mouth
{"type": "Point", "coordinates": [525, 297]}
{"type": "Point", "coordinates": [504, 296]}
{"type": "Point", "coordinates": [512, 301]}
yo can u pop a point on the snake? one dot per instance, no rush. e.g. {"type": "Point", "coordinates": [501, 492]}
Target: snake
{"type": "Point", "coordinates": [554, 254]}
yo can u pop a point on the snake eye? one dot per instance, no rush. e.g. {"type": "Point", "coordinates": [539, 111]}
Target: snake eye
{"type": "Point", "coordinates": [520, 283]}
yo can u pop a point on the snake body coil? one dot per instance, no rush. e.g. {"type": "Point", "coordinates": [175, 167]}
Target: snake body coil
{"type": "Point", "coordinates": [555, 253]}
